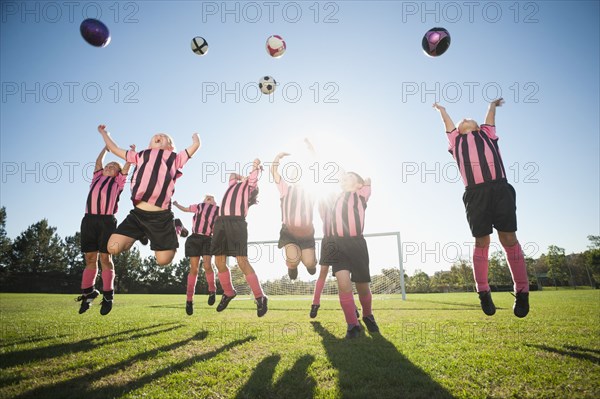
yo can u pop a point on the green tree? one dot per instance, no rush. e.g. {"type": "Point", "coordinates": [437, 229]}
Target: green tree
{"type": "Point", "coordinates": [498, 270]}
{"type": "Point", "coordinates": [419, 282]}
{"type": "Point", "coordinates": [128, 272]}
{"type": "Point", "coordinates": [441, 281]}
{"type": "Point", "coordinates": [557, 271]}
{"type": "Point", "coordinates": [461, 275]}
{"type": "Point", "coordinates": [38, 249]}
{"type": "Point", "coordinates": [75, 262]}
{"type": "Point", "coordinates": [592, 257]}
{"type": "Point", "coordinates": [5, 242]}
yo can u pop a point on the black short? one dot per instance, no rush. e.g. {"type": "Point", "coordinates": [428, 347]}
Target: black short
{"type": "Point", "coordinates": [157, 226]}
{"type": "Point", "coordinates": [328, 251]}
{"type": "Point", "coordinates": [230, 236]}
{"type": "Point", "coordinates": [286, 237]}
{"type": "Point", "coordinates": [351, 253]}
{"type": "Point", "coordinates": [95, 232]}
{"type": "Point", "coordinates": [491, 205]}
{"type": "Point", "coordinates": [197, 245]}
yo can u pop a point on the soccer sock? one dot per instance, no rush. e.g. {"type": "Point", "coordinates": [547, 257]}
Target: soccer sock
{"type": "Point", "coordinates": [108, 279]}
{"type": "Point", "coordinates": [191, 286]}
{"type": "Point", "coordinates": [210, 279]}
{"type": "Point", "coordinates": [88, 280]}
{"type": "Point", "coordinates": [480, 268]}
{"type": "Point", "coordinates": [365, 303]}
{"type": "Point", "coordinates": [178, 230]}
{"type": "Point", "coordinates": [318, 291]}
{"type": "Point", "coordinates": [349, 308]}
{"type": "Point", "coordinates": [252, 280]}
{"type": "Point", "coordinates": [225, 280]}
{"type": "Point", "coordinates": [518, 270]}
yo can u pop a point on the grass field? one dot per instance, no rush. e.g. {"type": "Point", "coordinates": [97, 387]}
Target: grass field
{"type": "Point", "coordinates": [430, 346]}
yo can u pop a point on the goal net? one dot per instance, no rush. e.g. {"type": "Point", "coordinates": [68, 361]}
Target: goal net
{"type": "Point", "coordinates": [385, 264]}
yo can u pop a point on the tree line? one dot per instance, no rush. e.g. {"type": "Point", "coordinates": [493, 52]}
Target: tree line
{"type": "Point", "coordinates": [38, 260]}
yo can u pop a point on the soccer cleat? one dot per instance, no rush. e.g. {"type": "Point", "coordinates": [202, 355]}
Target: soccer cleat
{"type": "Point", "coordinates": [521, 306]}
{"type": "Point", "coordinates": [487, 305]}
{"type": "Point", "coordinates": [311, 270]}
{"type": "Point", "coordinates": [293, 273]}
{"type": "Point", "coordinates": [314, 309]}
{"type": "Point", "coordinates": [211, 298]}
{"type": "Point", "coordinates": [86, 300]}
{"type": "Point", "coordinates": [224, 302]}
{"type": "Point", "coordinates": [261, 306]}
{"type": "Point", "coordinates": [189, 308]}
{"type": "Point", "coordinates": [371, 324]}
{"type": "Point", "coordinates": [106, 306]}
{"type": "Point", "coordinates": [182, 231]}
{"type": "Point", "coordinates": [354, 332]}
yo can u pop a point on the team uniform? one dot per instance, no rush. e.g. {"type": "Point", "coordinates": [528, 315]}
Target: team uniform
{"type": "Point", "coordinates": [153, 182]}
{"type": "Point", "coordinates": [198, 244]}
{"type": "Point", "coordinates": [230, 233]}
{"type": "Point", "coordinates": [490, 201]}
{"type": "Point", "coordinates": [327, 244]}
{"type": "Point", "coordinates": [349, 251]}
{"type": "Point", "coordinates": [102, 203]}
{"type": "Point", "coordinates": [296, 216]}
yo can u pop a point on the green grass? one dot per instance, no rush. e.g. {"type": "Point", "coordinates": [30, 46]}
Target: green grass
{"type": "Point", "coordinates": [430, 346]}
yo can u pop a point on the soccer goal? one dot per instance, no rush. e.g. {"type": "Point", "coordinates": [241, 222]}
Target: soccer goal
{"type": "Point", "coordinates": [385, 263]}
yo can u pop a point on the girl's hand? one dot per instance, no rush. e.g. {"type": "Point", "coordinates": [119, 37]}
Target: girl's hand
{"type": "Point", "coordinates": [438, 107]}
{"type": "Point", "coordinates": [102, 129]}
{"type": "Point", "coordinates": [498, 102]}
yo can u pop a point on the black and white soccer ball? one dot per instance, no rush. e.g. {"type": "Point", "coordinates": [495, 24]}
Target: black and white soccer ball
{"type": "Point", "coordinates": [267, 84]}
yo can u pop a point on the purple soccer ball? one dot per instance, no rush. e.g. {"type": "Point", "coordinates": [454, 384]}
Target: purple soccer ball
{"type": "Point", "coordinates": [95, 32]}
{"type": "Point", "coordinates": [435, 42]}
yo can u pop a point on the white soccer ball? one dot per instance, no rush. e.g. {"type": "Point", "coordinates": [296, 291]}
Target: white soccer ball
{"type": "Point", "coordinates": [199, 45]}
{"type": "Point", "coordinates": [275, 46]}
{"type": "Point", "coordinates": [267, 84]}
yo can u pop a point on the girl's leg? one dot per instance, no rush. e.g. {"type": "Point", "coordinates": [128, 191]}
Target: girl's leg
{"type": "Point", "coordinates": [108, 283]}
{"type": "Point", "coordinates": [293, 255]}
{"type": "Point", "coordinates": [347, 298]}
{"type": "Point", "coordinates": [165, 257]}
{"type": "Point", "coordinates": [192, 278]}
{"type": "Point", "coordinates": [118, 243]}
{"type": "Point", "coordinates": [480, 263]}
{"type": "Point", "coordinates": [309, 259]}
{"type": "Point", "coordinates": [88, 293]}
{"type": "Point", "coordinates": [209, 273]}
{"type": "Point", "coordinates": [224, 276]}
{"type": "Point", "coordinates": [250, 275]}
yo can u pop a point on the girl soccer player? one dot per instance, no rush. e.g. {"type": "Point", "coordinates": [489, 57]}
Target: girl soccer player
{"type": "Point", "coordinates": [152, 186]}
{"type": "Point", "coordinates": [96, 227]}
{"type": "Point", "coordinates": [198, 245]}
{"type": "Point", "coordinates": [349, 256]}
{"type": "Point", "coordinates": [230, 237]}
{"type": "Point", "coordinates": [489, 202]}
{"type": "Point", "coordinates": [297, 233]}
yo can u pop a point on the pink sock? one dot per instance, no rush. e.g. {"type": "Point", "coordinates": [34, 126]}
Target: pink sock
{"type": "Point", "coordinates": [480, 268]}
{"type": "Point", "coordinates": [318, 291]}
{"type": "Point", "coordinates": [225, 280]}
{"type": "Point", "coordinates": [178, 230]}
{"type": "Point", "coordinates": [349, 308]}
{"type": "Point", "coordinates": [191, 286]}
{"type": "Point", "coordinates": [108, 279]}
{"type": "Point", "coordinates": [252, 280]}
{"type": "Point", "coordinates": [365, 303]}
{"type": "Point", "coordinates": [210, 279]}
{"type": "Point", "coordinates": [89, 278]}
{"type": "Point", "coordinates": [516, 263]}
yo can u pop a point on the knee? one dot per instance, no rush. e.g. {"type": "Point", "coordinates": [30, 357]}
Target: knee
{"type": "Point", "coordinates": [106, 261]}
{"type": "Point", "coordinates": [165, 258]}
{"type": "Point", "coordinates": [292, 263]}
{"type": "Point", "coordinates": [324, 272]}
{"type": "Point", "coordinates": [482, 242]}
{"type": "Point", "coordinates": [507, 239]}
{"type": "Point", "coordinates": [91, 259]}
{"type": "Point", "coordinates": [311, 263]}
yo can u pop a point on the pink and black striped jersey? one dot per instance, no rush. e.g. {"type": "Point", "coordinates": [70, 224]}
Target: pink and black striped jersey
{"type": "Point", "coordinates": [296, 205]}
{"type": "Point", "coordinates": [103, 198]}
{"type": "Point", "coordinates": [477, 155]}
{"type": "Point", "coordinates": [155, 175]}
{"type": "Point", "coordinates": [326, 212]}
{"type": "Point", "coordinates": [348, 214]}
{"type": "Point", "coordinates": [204, 218]}
{"type": "Point", "coordinates": [236, 199]}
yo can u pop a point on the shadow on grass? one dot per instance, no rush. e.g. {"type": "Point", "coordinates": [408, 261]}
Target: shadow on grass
{"type": "Point", "coordinates": [15, 358]}
{"type": "Point", "coordinates": [371, 366]}
{"type": "Point", "coordinates": [294, 383]}
{"type": "Point", "coordinates": [30, 341]}
{"type": "Point", "coordinates": [571, 351]}
{"type": "Point", "coordinates": [82, 386]}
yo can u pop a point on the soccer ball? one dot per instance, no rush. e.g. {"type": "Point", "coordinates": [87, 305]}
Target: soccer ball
{"type": "Point", "coordinates": [267, 84]}
{"type": "Point", "coordinates": [199, 45]}
{"type": "Point", "coordinates": [275, 46]}
{"type": "Point", "coordinates": [436, 41]}
{"type": "Point", "coordinates": [95, 32]}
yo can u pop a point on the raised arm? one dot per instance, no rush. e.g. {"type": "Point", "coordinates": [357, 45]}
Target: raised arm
{"type": "Point", "coordinates": [127, 165]}
{"type": "Point", "coordinates": [490, 118]}
{"type": "Point", "coordinates": [181, 208]}
{"type": "Point", "coordinates": [110, 144]}
{"type": "Point", "coordinates": [275, 166]}
{"type": "Point", "coordinates": [100, 160]}
{"type": "Point", "coordinates": [450, 126]}
{"type": "Point", "coordinates": [191, 150]}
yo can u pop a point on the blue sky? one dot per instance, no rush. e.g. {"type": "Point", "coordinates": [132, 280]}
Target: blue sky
{"type": "Point", "coordinates": [354, 80]}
